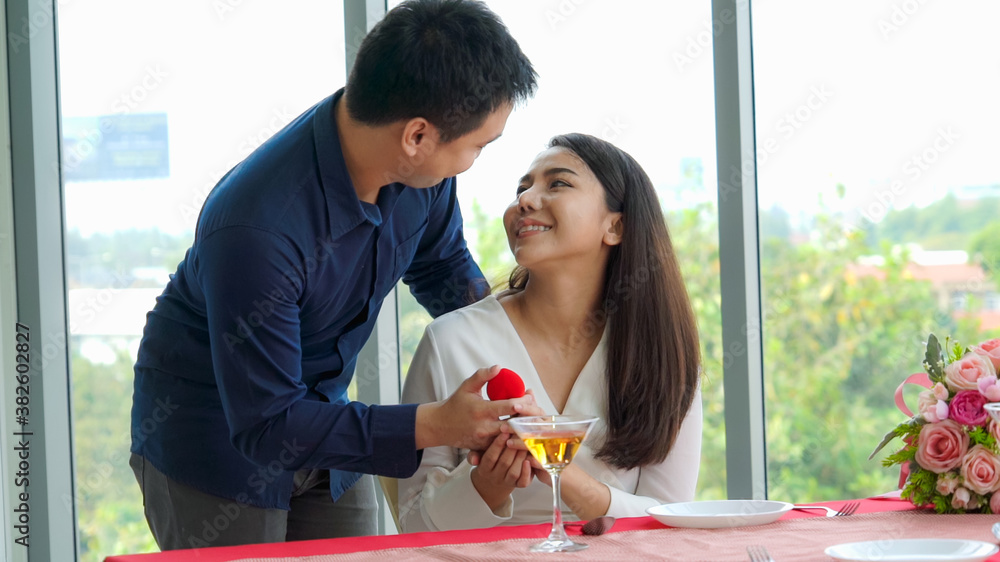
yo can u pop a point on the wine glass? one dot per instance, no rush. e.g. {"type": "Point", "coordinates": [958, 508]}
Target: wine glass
{"type": "Point", "coordinates": [553, 440]}
{"type": "Point", "coordinates": [993, 409]}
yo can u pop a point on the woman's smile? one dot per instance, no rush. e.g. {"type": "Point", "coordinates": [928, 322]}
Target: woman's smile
{"type": "Point", "coordinates": [529, 227]}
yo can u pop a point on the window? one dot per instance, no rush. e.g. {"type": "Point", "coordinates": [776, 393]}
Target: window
{"type": "Point", "coordinates": [646, 85]}
{"type": "Point", "coordinates": [874, 167]}
{"type": "Point", "coordinates": [158, 101]}
{"type": "Point", "coordinates": [875, 175]}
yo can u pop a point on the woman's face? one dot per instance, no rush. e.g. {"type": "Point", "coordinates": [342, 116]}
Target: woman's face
{"type": "Point", "coordinates": [560, 215]}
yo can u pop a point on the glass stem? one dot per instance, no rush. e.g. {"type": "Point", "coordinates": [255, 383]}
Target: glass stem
{"type": "Point", "coordinates": [558, 533]}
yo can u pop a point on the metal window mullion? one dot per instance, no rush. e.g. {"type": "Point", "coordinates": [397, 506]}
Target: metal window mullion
{"type": "Point", "coordinates": [377, 373]}
{"type": "Point", "coordinates": [743, 374]}
{"type": "Point", "coordinates": [40, 272]}
{"type": "Point", "coordinates": [359, 17]}
{"type": "Point", "coordinates": [9, 496]}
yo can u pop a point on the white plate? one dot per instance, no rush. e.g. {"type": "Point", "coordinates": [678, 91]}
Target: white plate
{"type": "Point", "coordinates": [915, 550]}
{"type": "Point", "coordinates": [719, 514]}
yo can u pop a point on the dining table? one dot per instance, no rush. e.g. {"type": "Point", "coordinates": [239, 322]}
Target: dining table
{"type": "Point", "coordinates": [797, 535]}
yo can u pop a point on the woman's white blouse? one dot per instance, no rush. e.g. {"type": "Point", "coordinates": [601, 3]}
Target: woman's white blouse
{"type": "Point", "coordinates": [440, 495]}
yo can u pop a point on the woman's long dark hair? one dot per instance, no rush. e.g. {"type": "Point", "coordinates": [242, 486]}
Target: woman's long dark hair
{"type": "Point", "coordinates": [653, 354]}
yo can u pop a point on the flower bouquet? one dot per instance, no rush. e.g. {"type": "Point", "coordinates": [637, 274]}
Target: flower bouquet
{"type": "Point", "coordinates": [950, 458]}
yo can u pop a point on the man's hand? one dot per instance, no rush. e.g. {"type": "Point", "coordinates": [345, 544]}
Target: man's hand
{"type": "Point", "coordinates": [474, 457]}
{"type": "Point", "coordinates": [465, 420]}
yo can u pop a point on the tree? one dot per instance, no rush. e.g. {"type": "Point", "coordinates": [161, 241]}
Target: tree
{"type": "Point", "coordinates": [836, 344]}
{"type": "Point", "coordinates": [946, 224]}
{"type": "Point", "coordinates": [108, 501]}
{"type": "Point", "coordinates": [492, 250]}
{"type": "Point", "coordinates": [984, 247]}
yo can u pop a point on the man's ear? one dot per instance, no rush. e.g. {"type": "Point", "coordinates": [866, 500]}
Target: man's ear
{"type": "Point", "coordinates": [613, 235]}
{"type": "Point", "coordinates": [419, 135]}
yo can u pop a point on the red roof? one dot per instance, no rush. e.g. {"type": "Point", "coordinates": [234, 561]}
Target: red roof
{"type": "Point", "coordinates": [937, 274]}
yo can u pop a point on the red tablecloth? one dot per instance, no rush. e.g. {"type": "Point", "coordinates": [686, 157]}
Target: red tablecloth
{"type": "Point", "coordinates": [414, 540]}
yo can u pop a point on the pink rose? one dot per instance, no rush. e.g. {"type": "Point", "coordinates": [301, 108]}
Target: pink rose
{"type": "Point", "coordinates": [940, 391]}
{"type": "Point", "coordinates": [991, 350]}
{"type": "Point", "coordinates": [941, 446]}
{"type": "Point", "coordinates": [990, 388]}
{"type": "Point", "coordinates": [947, 483]}
{"type": "Point", "coordinates": [966, 408]}
{"type": "Point", "coordinates": [926, 402]}
{"type": "Point", "coordinates": [994, 429]}
{"type": "Point", "coordinates": [942, 410]}
{"type": "Point", "coordinates": [931, 408]}
{"type": "Point", "coordinates": [981, 470]}
{"type": "Point", "coordinates": [961, 498]}
{"type": "Point", "coordinates": [995, 503]}
{"type": "Point", "coordinates": [965, 373]}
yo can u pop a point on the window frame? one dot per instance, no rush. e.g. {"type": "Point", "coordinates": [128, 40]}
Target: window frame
{"type": "Point", "coordinates": [35, 198]}
{"type": "Point", "coordinates": [739, 252]}
{"type": "Point", "coordinates": [33, 288]}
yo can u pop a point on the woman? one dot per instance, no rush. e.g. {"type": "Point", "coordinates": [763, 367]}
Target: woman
{"type": "Point", "coordinates": [596, 321]}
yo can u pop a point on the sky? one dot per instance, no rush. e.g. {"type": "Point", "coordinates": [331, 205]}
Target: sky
{"type": "Point", "coordinates": [893, 99]}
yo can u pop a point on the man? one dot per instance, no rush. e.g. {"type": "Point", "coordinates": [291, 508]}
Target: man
{"type": "Point", "coordinates": [242, 431]}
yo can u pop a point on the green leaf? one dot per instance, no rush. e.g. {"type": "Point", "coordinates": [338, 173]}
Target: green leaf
{"type": "Point", "coordinates": [957, 352]}
{"type": "Point", "coordinates": [979, 436]}
{"type": "Point", "coordinates": [908, 427]}
{"type": "Point", "coordinates": [942, 504]}
{"type": "Point", "coordinates": [933, 360]}
{"type": "Point", "coordinates": [901, 456]}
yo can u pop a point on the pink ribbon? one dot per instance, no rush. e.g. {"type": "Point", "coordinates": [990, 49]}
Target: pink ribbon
{"type": "Point", "coordinates": [916, 378]}
{"type": "Point", "coordinates": [920, 379]}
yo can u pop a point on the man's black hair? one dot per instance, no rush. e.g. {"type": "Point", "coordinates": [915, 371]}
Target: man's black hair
{"type": "Point", "coordinates": [452, 62]}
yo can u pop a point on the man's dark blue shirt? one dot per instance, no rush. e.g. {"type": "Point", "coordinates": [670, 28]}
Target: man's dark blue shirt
{"type": "Point", "coordinates": [245, 360]}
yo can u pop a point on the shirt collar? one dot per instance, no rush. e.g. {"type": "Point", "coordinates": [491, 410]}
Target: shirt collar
{"type": "Point", "coordinates": [345, 209]}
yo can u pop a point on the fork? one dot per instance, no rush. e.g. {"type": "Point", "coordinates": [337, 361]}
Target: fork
{"type": "Point", "coordinates": [758, 553]}
{"type": "Point", "coordinates": [847, 509]}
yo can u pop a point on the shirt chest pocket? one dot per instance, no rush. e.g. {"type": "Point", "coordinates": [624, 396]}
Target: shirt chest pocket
{"type": "Point", "coordinates": [397, 259]}
{"type": "Point", "coordinates": [405, 252]}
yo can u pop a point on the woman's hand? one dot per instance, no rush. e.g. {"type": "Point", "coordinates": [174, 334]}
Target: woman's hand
{"type": "Point", "coordinates": [540, 473]}
{"type": "Point", "coordinates": [580, 492]}
{"type": "Point", "coordinates": [474, 456]}
{"type": "Point", "coordinates": [500, 470]}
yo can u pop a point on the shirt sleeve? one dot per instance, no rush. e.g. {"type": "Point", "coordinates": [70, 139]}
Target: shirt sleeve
{"type": "Point", "coordinates": [443, 276]}
{"type": "Point", "coordinates": [440, 496]}
{"type": "Point", "coordinates": [251, 293]}
{"type": "Point", "coordinates": [673, 480]}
